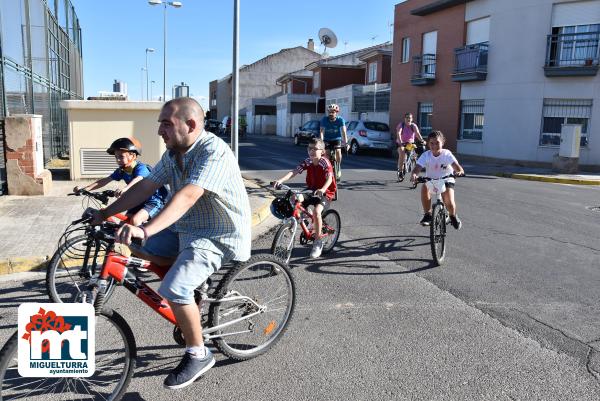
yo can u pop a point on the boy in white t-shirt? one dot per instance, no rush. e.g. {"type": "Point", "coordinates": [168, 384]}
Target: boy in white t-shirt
{"type": "Point", "coordinates": [438, 162]}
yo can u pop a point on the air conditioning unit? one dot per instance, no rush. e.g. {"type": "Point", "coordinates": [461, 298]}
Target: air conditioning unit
{"type": "Point", "coordinates": [570, 139]}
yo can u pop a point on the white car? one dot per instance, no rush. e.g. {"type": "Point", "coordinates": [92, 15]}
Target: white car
{"type": "Point", "coordinates": [368, 135]}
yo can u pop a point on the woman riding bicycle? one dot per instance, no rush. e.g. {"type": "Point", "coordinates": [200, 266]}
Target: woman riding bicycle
{"type": "Point", "coordinates": [333, 133]}
{"type": "Point", "coordinates": [406, 132]}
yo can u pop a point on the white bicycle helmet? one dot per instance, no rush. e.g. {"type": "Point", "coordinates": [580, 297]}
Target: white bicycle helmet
{"type": "Point", "coordinates": [333, 107]}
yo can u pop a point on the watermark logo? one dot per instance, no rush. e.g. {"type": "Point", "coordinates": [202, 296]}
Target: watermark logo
{"type": "Point", "coordinates": [56, 340]}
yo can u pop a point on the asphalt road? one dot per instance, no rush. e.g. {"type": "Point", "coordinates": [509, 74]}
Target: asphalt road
{"type": "Point", "coordinates": [511, 315]}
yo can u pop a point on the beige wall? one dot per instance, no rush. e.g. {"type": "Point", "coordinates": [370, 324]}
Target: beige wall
{"type": "Point", "coordinates": [94, 124]}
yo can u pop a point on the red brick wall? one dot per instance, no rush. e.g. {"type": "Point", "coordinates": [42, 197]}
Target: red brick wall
{"type": "Point", "coordinates": [444, 93]}
{"type": "Point", "coordinates": [24, 157]}
{"type": "Point", "coordinates": [298, 86]}
{"type": "Point", "coordinates": [385, 72]}
{"type": "Point", "coordinates": [332, 77]}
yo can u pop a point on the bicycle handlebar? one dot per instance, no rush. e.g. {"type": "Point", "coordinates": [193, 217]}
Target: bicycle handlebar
{"type": "Point", "coordinates": [425, 179]}
{"type": "Point", "coordinates": [102, 196]}
{"type": "Point", "coordinates": [283, 187]}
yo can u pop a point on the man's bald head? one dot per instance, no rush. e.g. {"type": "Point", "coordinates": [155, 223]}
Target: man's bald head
{"type": "Point", "coordinates": [186, 108]}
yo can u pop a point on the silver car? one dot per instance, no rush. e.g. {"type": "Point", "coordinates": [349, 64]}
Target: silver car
{"type": "Point", "coordinates": [368, 135]}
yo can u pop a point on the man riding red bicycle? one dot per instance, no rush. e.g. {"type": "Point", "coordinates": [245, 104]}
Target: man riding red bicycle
{"type": "Point", "coordinates": [205, 224]}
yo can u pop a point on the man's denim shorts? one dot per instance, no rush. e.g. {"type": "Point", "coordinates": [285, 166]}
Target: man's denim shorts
{"type": "Point", "coordinates": [191, 268]}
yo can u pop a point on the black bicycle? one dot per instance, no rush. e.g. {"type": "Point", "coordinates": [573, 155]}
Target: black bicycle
{"type": "Point", "coordinates": [439, 216]}
{"type": "Point", "coordinates": [79, 255]}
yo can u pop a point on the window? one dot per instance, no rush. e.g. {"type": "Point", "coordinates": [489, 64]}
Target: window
{"type": "Point", "coordinates": [317, 79]}
{"type": "Point", "coordinates": [352, 125]}
{"type": "Point", "coordinates": [557, 112]}
{"type": "Point", "coordinates": [424, 118]}
{"type": "Point", "coordinates": [405, 50]}
{"type": "Point", "coordinates": [471, 120]}
{"type": "Point", "coordinates": [375, 126]}
{"type": "Point", "coordinates": [575, 44]}
{"type": "Point", "coordinates": [372, 72]}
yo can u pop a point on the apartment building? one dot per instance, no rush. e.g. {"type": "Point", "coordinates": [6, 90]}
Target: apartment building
{"type": "Point", "coordinates": [542, 72]}
{"type": "Point", "coordinates": [500, 78]}
{"type": "Point", "coordinates": [426, 33]}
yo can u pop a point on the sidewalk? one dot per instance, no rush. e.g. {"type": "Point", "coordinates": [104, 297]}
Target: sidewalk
{"type": "Point", "coordinates": [30, 226]}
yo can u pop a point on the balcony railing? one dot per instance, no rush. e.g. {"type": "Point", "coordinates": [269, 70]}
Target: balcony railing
{"type": "Point", "coordinates": [423, 69]}
{"type": "Point", "coordinates": [470, 63]}
{"type": "Point", "coordinates": [570, 54]}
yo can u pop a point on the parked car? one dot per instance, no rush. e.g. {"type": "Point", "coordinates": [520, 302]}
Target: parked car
{"type": "Point", "coordinates": [309, 130]}
{"type": "Point", "coordinates": [369, 135]}
{"type": "Point", "coordinates": [212, 125]}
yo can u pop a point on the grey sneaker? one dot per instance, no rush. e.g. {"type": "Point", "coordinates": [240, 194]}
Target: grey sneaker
{"type": "Point", "coordinates": [317, 248]}
{"type": "Point", "coordinates": [426, 220]}
{"type": "Point", "coordinates": [188, 370]}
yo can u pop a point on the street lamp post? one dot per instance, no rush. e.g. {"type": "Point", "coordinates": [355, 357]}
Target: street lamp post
{"type": "Point", "coordinates": [151, 88]}
{"type": "Point", "coordinates": [148, 50]}
{"type": "Point", "coordinates": [235, 78]}
{"type": "Point", "coordinates": [175, 4]}
{"type": "Point", "coordinates": [142, 81]}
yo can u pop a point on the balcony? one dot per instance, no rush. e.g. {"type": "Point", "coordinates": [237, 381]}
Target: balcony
{"type": "Point", "coordinates": [572, 54]}
{"type": "Point", "coordinates": [423, 70]}
{"type": "Point", "coordinates": [470, 63]}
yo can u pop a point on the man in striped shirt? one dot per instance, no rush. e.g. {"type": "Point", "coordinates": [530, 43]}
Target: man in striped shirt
{"type": "Point", "coordinates": [206, 223]}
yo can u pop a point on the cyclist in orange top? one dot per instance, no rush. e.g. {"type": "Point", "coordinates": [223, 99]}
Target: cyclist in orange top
{"type": "Point", "coordinates": [319, 177]}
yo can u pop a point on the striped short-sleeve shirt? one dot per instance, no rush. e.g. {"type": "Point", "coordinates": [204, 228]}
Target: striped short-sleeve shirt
{"type": "Point", "coordinates": [220, 220]}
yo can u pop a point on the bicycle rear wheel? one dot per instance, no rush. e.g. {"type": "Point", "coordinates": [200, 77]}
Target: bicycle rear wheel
{"type": "Point", "coordinates": [251, 289]}
{"type": "Point", "coordinates": [115, 362]}
{"type": "Point", "coordinates": [72, 266]}
{"type": "Point", "coordinates": [332, 224]}
{"type": "Point", "coordinates": [283, 242]}
{"type": "Point", "coordinates": [437, 234]}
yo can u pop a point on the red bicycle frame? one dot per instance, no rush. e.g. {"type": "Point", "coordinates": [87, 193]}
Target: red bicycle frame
{"type": "Point", "coordinates": [119, 267]}
{"type": "Point", "coordinates": [300, 210]}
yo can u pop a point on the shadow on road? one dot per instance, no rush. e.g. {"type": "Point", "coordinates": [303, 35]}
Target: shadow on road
{"type": "Point", "coordinates": [351, 257]}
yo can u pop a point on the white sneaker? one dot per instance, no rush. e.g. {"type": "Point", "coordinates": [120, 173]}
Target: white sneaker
{"type": "Point", "coordinates": [317, 248]}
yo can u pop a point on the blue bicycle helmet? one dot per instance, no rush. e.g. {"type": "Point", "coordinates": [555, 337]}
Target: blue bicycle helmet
{"type": "Point", "coordinates": [281, 208]}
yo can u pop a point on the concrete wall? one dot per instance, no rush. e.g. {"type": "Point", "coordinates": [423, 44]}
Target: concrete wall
{"type": "Point", "coordinates": [516, 86]}
{"type": "Point", "coordinates": [96, 124]}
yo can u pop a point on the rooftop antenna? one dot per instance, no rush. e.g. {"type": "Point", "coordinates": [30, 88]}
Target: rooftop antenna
{"type": "Point", "coordinates": [391, 25]}
{"type": "Point", "coordinates": [328, 39]}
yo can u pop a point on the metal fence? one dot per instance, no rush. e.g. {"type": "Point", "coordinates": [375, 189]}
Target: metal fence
{"type": "Point", "coordinates": [471, 58]}
{"type": "Point", "coordinates": [572, 49]}
{"type": "Point", "coordinates": [41, 65]}
{"type": "Point", "coordinates": [370, 98]}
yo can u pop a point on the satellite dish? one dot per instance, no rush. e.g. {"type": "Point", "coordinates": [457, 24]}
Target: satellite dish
{"type": "Point", "coordinates": [327, 37]}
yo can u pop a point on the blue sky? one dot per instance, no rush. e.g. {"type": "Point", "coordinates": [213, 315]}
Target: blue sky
{"type": "Point", "coordinates": [200, 37]}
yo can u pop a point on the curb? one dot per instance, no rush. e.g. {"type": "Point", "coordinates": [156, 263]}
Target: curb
{"type": "Point", "coordinates": [263, 212]}
{"type": "Point", "coordinates": [543, 178]}
{"type": "Point", "coordinates": [22, 264]}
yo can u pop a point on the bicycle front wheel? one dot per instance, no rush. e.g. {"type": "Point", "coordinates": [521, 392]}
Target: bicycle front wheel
{"type": "Point", "coordinates": [254, 307]}
{"type": "Point", "coordinates": [283, 243]}
{"type": "Point", "coordinates": [72, 266]}
{"type": "Point", "coordinates": [115, 362]}
{"type": "Point", "coordinates": [332, 224]}
{"type": "Point", "coordinates": [437, 234]}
